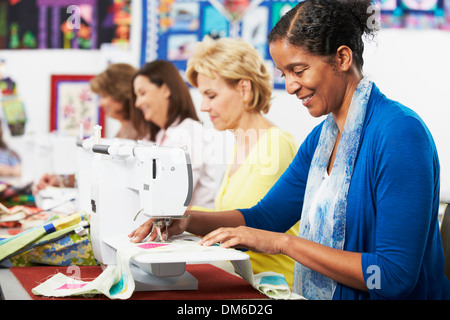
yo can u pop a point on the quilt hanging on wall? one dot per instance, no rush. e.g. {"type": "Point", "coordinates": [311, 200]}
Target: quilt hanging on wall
{"type": "Point", "coordinates": [415, 14]}
{"type": "Point", "coordinates": [63, 24]}
{"type": "Point", "coordinates": [171, 27]}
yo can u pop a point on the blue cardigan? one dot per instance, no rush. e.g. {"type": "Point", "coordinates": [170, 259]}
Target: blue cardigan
{"type": "Point", "coordinates": [392, 205]}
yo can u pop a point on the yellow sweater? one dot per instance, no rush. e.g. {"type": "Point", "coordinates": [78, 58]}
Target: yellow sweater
{"type": "Point", "coordinates": [265, 163]}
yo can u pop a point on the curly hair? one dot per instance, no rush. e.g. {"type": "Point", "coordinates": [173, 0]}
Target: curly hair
{"type": "Point", "coordinates": [322, 26]}
{"type": "Point", "coordinates": [233, 60]}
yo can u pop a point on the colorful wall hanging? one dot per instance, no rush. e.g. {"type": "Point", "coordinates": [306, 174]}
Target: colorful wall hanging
{"type": "Point", "coordinates": [73, 103]}
{"type": "Point", "coordinates": [171, 27]}
{"type": "Point", "coordinates": [11, 104]}
{"type": "Point", "coordinates": [14, 111]}
{"type": "Point", "coordinates": [415, 14]}
{"type": "Point", "coordinates": [67, 24]}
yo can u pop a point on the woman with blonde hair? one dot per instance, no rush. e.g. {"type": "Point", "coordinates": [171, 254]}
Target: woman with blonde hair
{"type": "Point", "coordinates": [236, 91]}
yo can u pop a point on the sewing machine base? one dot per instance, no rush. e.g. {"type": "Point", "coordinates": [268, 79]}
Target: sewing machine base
{"type": "Point", "coordinates": [166, 270]}
{"type": "Point", "coordinates": [145, 281]}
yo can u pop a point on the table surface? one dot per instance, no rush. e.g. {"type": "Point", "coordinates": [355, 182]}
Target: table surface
{"type": "Point", "coordinates": [12, 289]}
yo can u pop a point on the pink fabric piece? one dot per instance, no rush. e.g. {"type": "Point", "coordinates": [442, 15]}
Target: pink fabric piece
{"type": "Point", "coordinates": [151, 245]}
{"type": "Point", "coordinates": [71, 286]}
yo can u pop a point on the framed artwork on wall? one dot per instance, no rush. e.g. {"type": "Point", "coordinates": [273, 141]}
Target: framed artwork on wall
{"type": "Point", "coordinates": [73, 106]}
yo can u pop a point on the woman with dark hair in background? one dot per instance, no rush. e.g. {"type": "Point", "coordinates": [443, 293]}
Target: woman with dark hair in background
{"type": "Point", "coordinates": [161, 94]}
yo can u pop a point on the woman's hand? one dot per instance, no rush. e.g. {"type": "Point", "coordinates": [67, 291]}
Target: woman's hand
{"type": "Point", "coordinates": [177, 226]}
{"type": "Point", "coordinates": [143, 231]}
{"type": "Point", "coordinates": [247, 238]}
{"type": "Point", "coordinates": [45, 181]}
{"type": "Point", "coordinates": [10, 171]}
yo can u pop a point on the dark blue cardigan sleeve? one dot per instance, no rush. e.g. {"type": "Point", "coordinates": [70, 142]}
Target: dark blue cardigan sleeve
{"type": "Point", "coordinates": [405, 186]}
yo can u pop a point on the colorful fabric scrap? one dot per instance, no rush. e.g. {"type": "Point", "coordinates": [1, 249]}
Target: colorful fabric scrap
{"type": "Point", "coordinates": [53, 243]}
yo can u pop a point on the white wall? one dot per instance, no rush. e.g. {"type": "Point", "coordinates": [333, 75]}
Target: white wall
{"type": "Point", "coordinates": [413, 67]}
{"type": "Point", "coordinates": [409, 66]}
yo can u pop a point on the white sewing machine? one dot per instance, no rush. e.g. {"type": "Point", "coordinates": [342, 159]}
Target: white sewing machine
{"type": "Point", "coordinates": [127, 179]}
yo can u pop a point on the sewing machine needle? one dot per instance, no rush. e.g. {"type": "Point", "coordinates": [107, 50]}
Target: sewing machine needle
{"type": "Point", "coordinates": [158, 230]}
{"type": "Point", "coordinates": [158, 224]}
{"type": "Point", "coordinates": [167, 223]}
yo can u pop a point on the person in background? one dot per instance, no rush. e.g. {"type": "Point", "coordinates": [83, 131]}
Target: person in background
{"type": "Point", "coordinates": [161, 94]}
{"type": "Point", "coordinates": [365, 182]}
{"type": "Point", "coordinates": [236, 90]}
{"type": "Point", "coordinates": [114, 89]}
{"type": "Point", "coordinates": [10, 163]}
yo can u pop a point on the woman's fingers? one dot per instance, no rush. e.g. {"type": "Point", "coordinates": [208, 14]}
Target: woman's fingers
{"type": "Point", "coordinates": [245, 238]}
{"type": "Point", "coordinates": [177, 226]}
{"type": "Point", "coordinates": [226, 237]}
{"type": "Point", "coordinates": [143, 231]}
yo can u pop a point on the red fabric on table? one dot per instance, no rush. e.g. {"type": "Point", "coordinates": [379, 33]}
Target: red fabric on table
{"type": "Point", "coordinates": [213, 284]}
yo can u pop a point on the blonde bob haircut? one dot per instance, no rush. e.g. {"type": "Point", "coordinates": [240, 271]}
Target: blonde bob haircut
{"type": "Point", "coordinates": [233, 60]}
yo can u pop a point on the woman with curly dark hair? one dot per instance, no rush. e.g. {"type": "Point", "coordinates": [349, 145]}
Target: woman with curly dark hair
{"type": "Point", "coordinates": [365, 182]}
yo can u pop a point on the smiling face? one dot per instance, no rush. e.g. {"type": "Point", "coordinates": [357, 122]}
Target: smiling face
{"type": "Point", "coordinates": [152, 100]}
{"type": "Point", "coordinates": [318, 84]}
{"type": "Point", "coordinates": [224, 103]}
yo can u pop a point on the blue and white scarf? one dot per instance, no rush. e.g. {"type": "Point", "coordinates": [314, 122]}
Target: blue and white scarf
{"type": "Point", "coordinates": [324, 219]}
